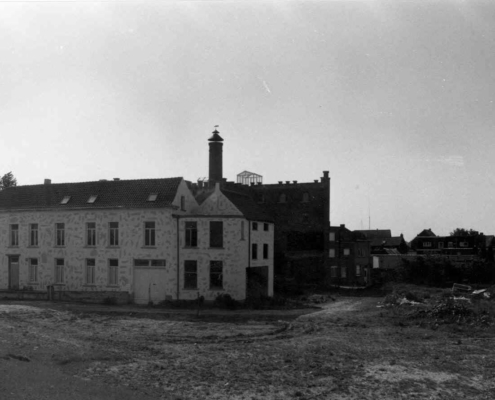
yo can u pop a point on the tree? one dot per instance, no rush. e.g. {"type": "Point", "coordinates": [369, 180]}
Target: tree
{"type": "Point", "coordinates": [464, 232]}
{"type": "Point", "coordinates": [8, 180]}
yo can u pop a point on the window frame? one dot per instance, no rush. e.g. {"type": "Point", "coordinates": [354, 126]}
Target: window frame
{"type": "Point", "coordinates": [33, 270]}
{"type": "Point", "coordinates": [334, 271]}
{"type": "Point", "coordinates": [331, 236]}
{"type": "Point", "coordinates": [90, 271]}
{"type": "Point", "coordinates": [346, 252]}
{"type": "Point", "coordinates": [14, 235]}
{"type": "Point", "coordinates": [254, 226]}
{"type": "Point", "coordinates": [191, 276]}
{"type": "Point", "coordinates": [216, 264]}
{"type": "Point", "coordinates": [266, 227]}
{"type": "Point", "coordinates": [60, 234]}
{"type": "Point", "coordinates": [254, 251]}
{"type": "Point", "coordinates": [113, 272]}
{"type": "Point", "coordinates": [150, 234]}
{"type": "Point", "coordinates": [216, 234]}
{"type": "Point", "coordinates": [113, 234]}
{"type": "Point", "coordinates": [59, 271]}
{"type": "Point", "coordinates": [191, 234]}
{"type": "Point", "coordinates": [331, 253]}
{"type": "Point", "coordinates": [358, 270]}
{"type": "Point", "coordinates": [34, 234]}
{"type": "Point", "coordinates": [265, 251]}
{"type": "Point", "coordinates": [90, 234]}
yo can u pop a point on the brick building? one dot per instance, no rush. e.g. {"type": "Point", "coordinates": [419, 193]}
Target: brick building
{"type": "Point", "coordinates": [349, 257]}
{"type": "Point", "coordinates": [299, 210]}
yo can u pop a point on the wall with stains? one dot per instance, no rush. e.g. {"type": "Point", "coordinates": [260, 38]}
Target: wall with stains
{"type": "Point", "coordinates": [234, 255]}
{"type": "Point", "coordinates": [75, 252]}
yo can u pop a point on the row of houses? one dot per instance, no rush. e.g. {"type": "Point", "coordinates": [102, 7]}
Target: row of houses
{"type": "Point", "coordinates": [152, 240]}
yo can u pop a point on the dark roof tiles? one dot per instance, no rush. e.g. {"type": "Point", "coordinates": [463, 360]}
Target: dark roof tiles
{"type": "Point", "coordinates": [110, 194]}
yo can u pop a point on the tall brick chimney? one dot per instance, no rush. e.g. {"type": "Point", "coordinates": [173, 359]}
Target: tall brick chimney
{"type": "Point", "coordinates": [216, 158]}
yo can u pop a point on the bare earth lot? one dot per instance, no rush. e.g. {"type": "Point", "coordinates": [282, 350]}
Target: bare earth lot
{"type": "Point", "coordinates": [348, 350]}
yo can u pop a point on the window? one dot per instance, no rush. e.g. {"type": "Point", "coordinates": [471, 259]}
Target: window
{"type": "Point", "coordinates": [282, 198]}
{"type": "Point", "coordinates": [148, 263]}
{"type": "Point", "coordinates": [305, 198]}
{"type": "Point", "coordinates": [255, 226]}
{"type": "Point", "coordinates": [191, 234]}
{"type": "Point", "coordinates": [33, 270]}
{"type": "Point", "coordinates": [333, 271]}
{"type": "Point", "coordinates": [92, 198]}
{"type": "Point", "coordinates": [343, 272]}
{"type": "Point", "coordinates": [331, 253]}
{"type": "Point", "coordinates": [60, 234]}
{"type": "Point", "coordinates": [190, 274]}
{"type": "Point", "coordinates": [347, 252]}
{"type": "Point", "coordinates": [265, 251]}
{"type": "Point", "coordinates": [426, 244]}
{"type": "Point", "coordinates": [358, 270]}
{"type": "Point", "coordinates": [149, 233]}
{"type": "Point", "coordinates": [450, 244]}
{"type": "Point", "coordinates": [113, 271]}
{"type": "Point", "coordinates": [242, 230]}
{"type": "Point", "coordinates": [216, 275]}
{"type": "Point", "coordinates": [90, 271]}
{"type": "Point", "coordinates": [183, 203]}
{"type": "Point", "coordinates": [65, 200]}
{"type": "Point", "coordinates": [331, 236]}
{"type": "Point", "coordinates": [152, 196]}
{"type": "Point", "coordinates": [14, 235]}
{"type": "Point", "coordinates": [59, 270]}
{"type": "Point", "coordinates": [254, 251]}
{"type": "Point", "coordinates": [91, 234]}
{"type": "Point", "coordinates": [266, 227]}
{"type": "Point", "coordinates": [113, 233]}
{"type": "Point", "coordinates": [216, 234]}
{"type": "Point", "coordinates": [361, 252]}
{"type": "Point", "coordinates": [440, 245]}
{"type": "Point", "coordinates": [33, 234]}
{"type": "Point", "coordinates": [463, 244]}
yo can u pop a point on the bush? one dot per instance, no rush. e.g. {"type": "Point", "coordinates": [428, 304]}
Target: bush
{"type": "Point", "coordinates": [110, 301]}
{"type": "Point", "coordinates": [225, 300]}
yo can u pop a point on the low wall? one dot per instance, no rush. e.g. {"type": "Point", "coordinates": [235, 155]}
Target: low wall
{"type": "Point", "coordinates": [95, 297]}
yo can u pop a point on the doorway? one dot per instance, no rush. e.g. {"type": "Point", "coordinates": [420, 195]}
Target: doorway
{"type": "Point", "coordinates": [13, 272]}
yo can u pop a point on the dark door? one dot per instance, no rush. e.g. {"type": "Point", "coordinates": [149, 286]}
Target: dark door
{"type": "Point", "coordinates": [13, 272]}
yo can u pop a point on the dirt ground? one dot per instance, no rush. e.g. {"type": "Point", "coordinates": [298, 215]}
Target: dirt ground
{"type": "Point", "coordinates": [349, 349]}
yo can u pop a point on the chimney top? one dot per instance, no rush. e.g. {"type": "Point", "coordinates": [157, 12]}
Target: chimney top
{"type": "Point", "coordinates": [215, 137]}
{"type": "Point", "coordinates": [48, 182]}
{"type": "Point", "coordinates": [116, 179]}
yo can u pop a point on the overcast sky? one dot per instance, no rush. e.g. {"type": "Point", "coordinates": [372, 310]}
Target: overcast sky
{"type": "Point", "coordinates": [395, 99]}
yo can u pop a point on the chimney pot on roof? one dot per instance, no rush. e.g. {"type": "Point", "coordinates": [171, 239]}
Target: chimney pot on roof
{"type": "Point", "coordinates": [294, 181]}
{"type": "Point", "coordinates": [325, 174]}
{"type": "Point", "coordinates": [116, 179]}
{"type": "Point", "coordinates": [259, 183]}
{"type": "Point", "coordinates": [316, 180]}
{"type": "Point", "coordinates": [342, 225]}
{"type": "Point", "coordinates": [252, 184]}
{"type": "Point", "coordinates": [287, 182]}
{"type": "Point", "coordinates": [48, 182]}
{"type": "Point", "coordinates": [280, 182]}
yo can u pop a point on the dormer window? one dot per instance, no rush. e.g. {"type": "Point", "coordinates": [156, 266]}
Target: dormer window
{"type": "Point", "coordinates": [65, 200]}
{"type": "Point", "coordinates": [152, 196]}
{"type": "Point", "coordinates": [92, 198]}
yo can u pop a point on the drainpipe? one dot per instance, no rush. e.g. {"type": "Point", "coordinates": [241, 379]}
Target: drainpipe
{"type": "Point", "coordinates": [249, 256]}
{"type": "Point", "coordinates": [178, 261]}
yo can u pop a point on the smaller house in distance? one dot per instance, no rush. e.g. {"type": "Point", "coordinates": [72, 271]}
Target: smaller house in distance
{"type": "Point", "coordinates": [382, 242]}
{"type": "Point", "coordinates": [349, 257]}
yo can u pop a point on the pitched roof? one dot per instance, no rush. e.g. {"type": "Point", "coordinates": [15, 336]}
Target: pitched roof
{"type": "Point", "coordinates": [426, 232]}
{"type": "Point", "coordinates": [247, 206]}
{"type": "Point", "coordinates": [377, 233]}
{"type": "Point", "coordinates": [110, 194]}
